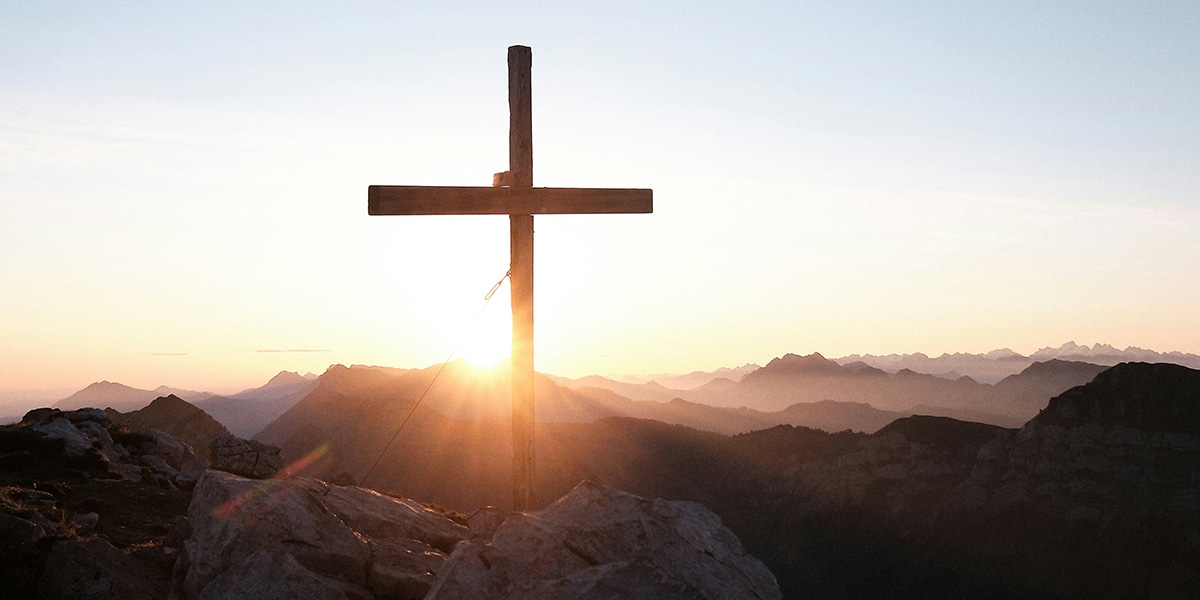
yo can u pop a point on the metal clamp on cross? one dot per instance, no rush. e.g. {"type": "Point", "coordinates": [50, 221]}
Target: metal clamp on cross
{"type": "Point", "coordinates": [513, 194]}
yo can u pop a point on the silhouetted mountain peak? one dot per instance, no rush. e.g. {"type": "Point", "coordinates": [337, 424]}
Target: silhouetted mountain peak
{"type": "Point", "coordinates": [170, 401]}
{"type": "Point", "coordinates": [1155, 397]}
{"type": "Point", "coordinates": [183, 420]}
{"type": "Point", "coordinates": [941, 432]}
{"type": "Point", "coordinates": [859, 367]}
{"type": "Point", "coordinates": [285, 378]}
{"type": "Point", "coordinates": [793, 364]}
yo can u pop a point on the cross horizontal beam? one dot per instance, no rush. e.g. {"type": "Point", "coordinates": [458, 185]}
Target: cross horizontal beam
{"type": "Point", "coordinates": [446, 200]}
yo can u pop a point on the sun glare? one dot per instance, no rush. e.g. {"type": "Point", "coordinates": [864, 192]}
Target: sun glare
{"type": "Point", "coordinates": [488, 345]}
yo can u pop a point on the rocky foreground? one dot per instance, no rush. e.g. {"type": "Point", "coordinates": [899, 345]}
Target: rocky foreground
{"type": "Point", "coordinates": [261, 534]}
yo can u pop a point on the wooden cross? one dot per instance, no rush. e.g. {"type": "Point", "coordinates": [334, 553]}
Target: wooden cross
{"type": "Point", "coordinates": [512, 193]}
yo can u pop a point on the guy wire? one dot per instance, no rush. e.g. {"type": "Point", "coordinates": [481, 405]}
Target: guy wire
{"type": "Point", "coordinates": [487, 299]}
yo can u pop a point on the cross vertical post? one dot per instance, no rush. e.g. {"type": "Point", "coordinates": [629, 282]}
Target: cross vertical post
{"type": "Point", "coordinates": [520, 172]}
{"type": "Point", "coordinates": [512, 193]}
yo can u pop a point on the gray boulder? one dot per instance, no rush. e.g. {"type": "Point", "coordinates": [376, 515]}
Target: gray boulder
{"type": "Point", "coordinates": [377, 516]}
{"type": "Point", "coordinates": [94, 415]}
{"type": "Point", "coordinates": [403, 569]}
{"type": "Point", "coordinates": [75, 442]}
{"type": "Point", "coordinates": [248, 458]}
{"type": "Point", "coordinates": [597, 542]}
{"type": "Point", "coordinates": [41, 415]}
{"type": "Point", "coordinates": [232, 518]}
{"type": "Point", "coordinates": [96, 570]}
{"type": "Point", "coordinates": [302, 538]}
{"type": "Point", "coordinates": [168, 448]}
{"type": "Point", "coordinates": [17, 534]}
{"type": "Point", "coordinates": [269, 575]}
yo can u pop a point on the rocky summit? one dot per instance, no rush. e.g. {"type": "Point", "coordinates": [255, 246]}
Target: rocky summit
{"type": "Point", "coordinates": [90, 509]}
{"type": "Point", "coordinates": [597, 542]}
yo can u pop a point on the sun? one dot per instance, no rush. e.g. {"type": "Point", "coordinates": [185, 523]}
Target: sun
{"type": "Point", "coordinates": [488, 344]}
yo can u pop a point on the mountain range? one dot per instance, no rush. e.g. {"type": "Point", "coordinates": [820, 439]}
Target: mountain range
{"type": "Point", "coordinates": [993, 366]}
{"type": "Point", "coordinates": [1095, 496]}
{"type": "Point", "coordinates": [793, 381]}
{"type": "Point", "coordinates": [243, 413]}
{"type": "Point", "coordinates": [117, 396]}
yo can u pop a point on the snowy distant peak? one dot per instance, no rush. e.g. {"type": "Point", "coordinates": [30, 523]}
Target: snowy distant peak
{"type": "Point", "coordinates": [1110, 353]}
{"type": "Point", "coordinates": [993, 366]}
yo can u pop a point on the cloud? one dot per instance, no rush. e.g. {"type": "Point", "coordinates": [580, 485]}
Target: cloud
{"type": "Point", "coordinates": [295, 350]}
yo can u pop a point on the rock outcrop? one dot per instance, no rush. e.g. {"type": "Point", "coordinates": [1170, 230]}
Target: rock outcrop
{"type": "Point", "coordinates": [87, 433]}
{"type": "Point", "coordinates": [248, 458]}
{"type": "Point", "coordinates": [597, 542]}
{"type": "Point", "coordinates": [95, 570]}
{"type": "Point", "coordinates": [304, 538]}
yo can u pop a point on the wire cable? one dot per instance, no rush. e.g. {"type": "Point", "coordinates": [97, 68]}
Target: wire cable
{"type": "Point", "coordinates": [487, 299]}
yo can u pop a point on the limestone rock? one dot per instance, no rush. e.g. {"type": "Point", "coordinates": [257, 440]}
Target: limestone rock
{"type": "Point", "coordinates": [302, 538]}
{"type": "Point", "coordinates": [17, 533]}
{"type": "Point", "coordinates": [41, 415]}
{"type": "Point", "coordinates": [168, 448]}
{"type": "Point", "coordinates": [377, 516]}
{"type": "Point", "coordinates": [485, 521]}
{"type": "Point", "coordinates": [94, 415]}
{"type": "Point", "coordinates": [85, 524]}
{"type": "Point", "coordinates": [403, 569]}
{"type": "Point", "coordinates": [232, 518]}
{"type": "Point", "coordinates": [95, 570]}
{"type": "Point", "coordinates": [248, 458]}
{"type": "Point", "coordinates": [190, 471]}
{"type": "Point", "coordinates": [268, 575]}
{"type": "Point", "coordinates": [102, 439]}
{"type": "Point", "coordinates": [76, 443]}
{"type": "Point", "coordinates": [597, 542]}
{"type": "Point", "coordinates": [159, 468]}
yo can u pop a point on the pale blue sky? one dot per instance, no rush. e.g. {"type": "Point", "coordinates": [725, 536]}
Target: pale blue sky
{"type": "Point", "coordinates": [184, 186]}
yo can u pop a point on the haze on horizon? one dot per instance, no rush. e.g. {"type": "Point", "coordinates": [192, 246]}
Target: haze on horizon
{"type": "Point", "coordinates": [184, 188]}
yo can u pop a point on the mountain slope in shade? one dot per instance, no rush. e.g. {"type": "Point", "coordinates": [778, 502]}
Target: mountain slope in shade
{"type": "Point", "coordinates": [1032, 387]}
{"type": "Point", "coordinates": [247, 412]}
{"type": "Point", "coordinates": [120, 397]}
{"type": "Point", "coordinates": [177, 417]}
{"type": "Point", "coordinates": [1153, 398]}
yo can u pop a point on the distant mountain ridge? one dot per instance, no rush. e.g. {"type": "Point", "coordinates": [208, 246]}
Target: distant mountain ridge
{"type": "Point", "coordinates": [993, 366]}
{"type": "Point", "coordinates": [248, 411]}
{"type": "Point", "coordinates": [123, 398]}
{"type": "Point", "coordinates": [243, 413]}
{"type": "Point", "coordinates": [792, 380]}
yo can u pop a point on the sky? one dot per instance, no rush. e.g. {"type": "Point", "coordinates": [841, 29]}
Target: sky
{"type": "Point", "coordinates": [183, 185]}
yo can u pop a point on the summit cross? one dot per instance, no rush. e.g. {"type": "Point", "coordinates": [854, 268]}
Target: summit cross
{"type": "Point", "coordinates": [512, 193]}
